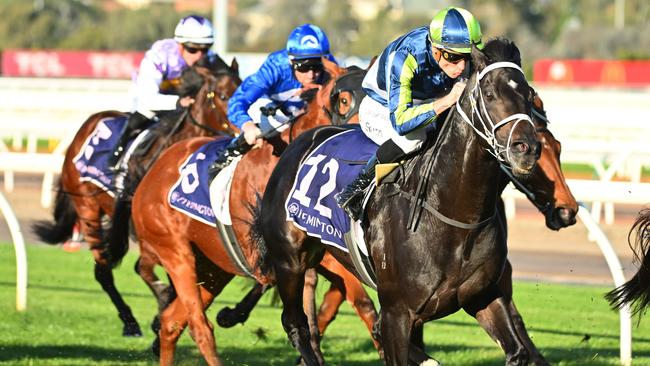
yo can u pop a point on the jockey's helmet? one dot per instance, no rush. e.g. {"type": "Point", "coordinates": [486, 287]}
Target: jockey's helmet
{"type": "Point", "coordinates": [194, 29]}
{"type": "Point", "coordinates": [307, 41]}
{"type": "Point", "coordinates": [455, 29]}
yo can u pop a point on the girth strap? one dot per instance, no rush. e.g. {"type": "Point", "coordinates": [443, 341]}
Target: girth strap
{"type": "Point", "coordinates": [233, 249]}
{"type": "Point", "coordinates": [447, 220]}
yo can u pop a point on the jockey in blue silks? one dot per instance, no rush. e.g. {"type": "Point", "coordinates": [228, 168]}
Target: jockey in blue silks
{"type": "Point", "coordinates": [423, 64]}
{"type": "Point", "coordinates": [164, 61]}
{"type": "Point", "coordinates": [269, 98]}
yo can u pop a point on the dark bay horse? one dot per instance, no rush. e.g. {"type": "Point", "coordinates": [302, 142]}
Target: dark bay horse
{"type": "Point", "coordinates": [86, 203]}
{"type": "Point", "coordinates": [192, 251]}
{"type": "Point", "coordinates": [546, 188]}
{"type": "Point", "coordinates": [636, 291]}
{"type": "Point", "coordinates": [448, 263]}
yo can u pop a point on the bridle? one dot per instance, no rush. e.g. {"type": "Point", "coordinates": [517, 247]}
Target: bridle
{"type": "Point", "coordinates": [210, 98]}
{"type": "Point", "coordinates": [488, 134]}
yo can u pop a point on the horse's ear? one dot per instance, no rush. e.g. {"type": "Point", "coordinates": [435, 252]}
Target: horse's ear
{"type": "Point", "coordinates": [372, 61]}
{"type": "Point", "coordinates": [479, 59]}
{"type": "Point", "coordinates": [234, 65]}
{"type": "Point", "coordinates": [332, 69]}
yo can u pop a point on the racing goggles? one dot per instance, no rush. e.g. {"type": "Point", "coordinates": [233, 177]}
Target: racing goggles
{"type": "Point", "coordinates": [193, 50]}
{"type": "Point", "coordinates": [307, 64]}
{"type": "Point", "coordinates": [453, 57]}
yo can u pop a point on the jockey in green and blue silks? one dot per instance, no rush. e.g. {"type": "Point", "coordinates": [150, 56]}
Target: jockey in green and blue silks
{"type": "Point", "coordinates": [422, 65]}
{"type": "Point", "coordinates": [277, 87]}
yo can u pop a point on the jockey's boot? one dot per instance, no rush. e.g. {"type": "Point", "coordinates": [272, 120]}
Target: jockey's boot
{"type": "Point", "coordinates": [351, 198]}
{"type": "Point", "coordinates": [134, 123]}
{"type": "Point", "coordinates": [237, 147]}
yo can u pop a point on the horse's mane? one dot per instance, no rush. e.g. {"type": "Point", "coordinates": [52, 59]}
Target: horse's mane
{"type": "Point", "coordinates": [192, 78]}
{"type": "Point", "coordinates": [502, 49]}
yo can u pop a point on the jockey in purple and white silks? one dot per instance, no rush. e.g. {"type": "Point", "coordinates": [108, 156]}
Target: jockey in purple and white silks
{"type": "Point", "coordinates": [163, 62]}
{"type": "Point", "coordinates": [269, 98]}
{"type": "Point", "coordinates": [421, 65]}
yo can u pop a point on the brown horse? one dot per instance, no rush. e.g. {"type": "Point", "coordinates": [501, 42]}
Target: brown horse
{"type": "Point", "coordinates": [86, 203]}
{"type": "Point", "coordinates": [452, 260]}
{"type": "Point", "coordinates": [636, 291]}
{"type": "Point", "coordinates": [191, 251]}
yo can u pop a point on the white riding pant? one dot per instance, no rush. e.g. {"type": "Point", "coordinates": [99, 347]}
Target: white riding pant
{"type": "Point", "coordinates": [375, 123]}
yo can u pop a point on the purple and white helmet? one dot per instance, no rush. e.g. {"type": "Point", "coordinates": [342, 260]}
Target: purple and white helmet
{"type": "Point", "coordinates": [194, 29]}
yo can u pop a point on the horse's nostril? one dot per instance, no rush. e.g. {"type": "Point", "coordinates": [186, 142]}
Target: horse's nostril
{"type": "Point", "coordinates": [566, 215]}
{"type": "Point", "coordinates": [520, 147]}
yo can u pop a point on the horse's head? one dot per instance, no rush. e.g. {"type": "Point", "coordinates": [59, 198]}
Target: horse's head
{"type": "Point", "coordinates": [319, 103]}
{"type": "Point", "coordinates": [217, 85]}
{"type": "Point", "coordinates": [499, 96]}
{"type": "Point", "coordinates": [346, 96]}
{"type": "Point", "coordinates": [547, 184]}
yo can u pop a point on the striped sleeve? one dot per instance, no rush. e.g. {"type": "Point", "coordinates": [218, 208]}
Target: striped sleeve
{"type": "Point", "coordinates": [404, 115]}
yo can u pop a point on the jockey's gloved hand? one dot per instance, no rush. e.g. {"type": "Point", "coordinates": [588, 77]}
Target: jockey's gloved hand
{"type": "Point", "coordinates": [252, 134]}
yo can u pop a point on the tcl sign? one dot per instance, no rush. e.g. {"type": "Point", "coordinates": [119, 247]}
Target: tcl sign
{"type": "Point", "coordinates": [40, 63]}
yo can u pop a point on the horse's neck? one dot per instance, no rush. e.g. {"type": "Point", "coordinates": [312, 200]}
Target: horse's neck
{"type": "Point", "coordinates": [314, 117]}
{"type": "Point", "coordinates": [464, 174]}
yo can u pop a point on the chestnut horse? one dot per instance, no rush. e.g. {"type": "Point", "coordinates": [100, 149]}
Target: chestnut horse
{"type": "Point", "coordinates": [636, 291]}
{"type": "Point", "coordinates": [546, 188]}
{"type": "Point", "coordinates": [87, 203]}
{"type": "Point", "coordinates": [192, 252]}
{"type": "Point", "coordinates": [446, 263]}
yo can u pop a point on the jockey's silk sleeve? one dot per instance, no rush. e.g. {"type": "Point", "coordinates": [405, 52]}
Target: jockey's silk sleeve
{"type": "Point", "coordinates": [147, 85]}
{"type": "Point", "coordinates": [404, 114]}
{"type": "Point", "coordinates": [251, 89]}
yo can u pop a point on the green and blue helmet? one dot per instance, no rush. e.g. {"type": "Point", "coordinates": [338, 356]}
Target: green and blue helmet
{"type": "Point", "coordinates": [455, 29]}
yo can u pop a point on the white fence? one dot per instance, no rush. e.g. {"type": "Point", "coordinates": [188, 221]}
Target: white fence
{"type": "Point", "coordinates": [607, 129]}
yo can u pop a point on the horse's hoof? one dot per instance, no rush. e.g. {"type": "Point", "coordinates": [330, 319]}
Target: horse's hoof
{"type": "Point", "coordinates": [155, 348]}
{"type": "Point", "coordinates": [228, 318]}
{"type": "Point", "coordinates": [431, 362]}
{"type": "Point", "coordinates": [131, 330]}
{"type": "Point", "coordinates": [299, 361]}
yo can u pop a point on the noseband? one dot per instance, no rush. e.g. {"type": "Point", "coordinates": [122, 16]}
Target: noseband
{"type": "Point", "coordinates": [489, 128]}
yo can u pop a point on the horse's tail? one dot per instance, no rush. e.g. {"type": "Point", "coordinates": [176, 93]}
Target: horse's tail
{"type": "Point", "coordinates": [256, 235]}
{"type": "Point", "coordinates": [65, 218]}
{"type": "Point", "coordinates": [636, 291]}
{"type": "Point", "coordinates": [118, 235]}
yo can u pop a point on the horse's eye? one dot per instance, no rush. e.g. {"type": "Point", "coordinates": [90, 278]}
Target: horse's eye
{"type": "Point", "coordinates": [223, 97]}
{"type": "Point", "coordinates": [489, 95]}
{"type": "Point", "coordinates": [344, 101]}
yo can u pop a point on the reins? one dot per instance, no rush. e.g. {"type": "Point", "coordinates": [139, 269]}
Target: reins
{"type": "Point", "coordinates": [488, 134]}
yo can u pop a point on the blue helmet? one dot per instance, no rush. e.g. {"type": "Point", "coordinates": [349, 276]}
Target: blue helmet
{"type": "Point", "coordinates": [307, 41]}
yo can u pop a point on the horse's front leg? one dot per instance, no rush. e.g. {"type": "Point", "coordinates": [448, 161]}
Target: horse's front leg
{"type": "Point", "coordinates": [496, 319]}
{"type": "Point", "coordinates": [396, 327]}
{"type": "Point", "coordinates": [505, 285]}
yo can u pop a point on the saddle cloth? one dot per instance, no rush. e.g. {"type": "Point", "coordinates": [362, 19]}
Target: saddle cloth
{"type": "Point", "coordinates": [191, 194]}
{"type": "Point", "coordinates": [327, 170]}
{"type": "Point", "coordinates": [92, 159]}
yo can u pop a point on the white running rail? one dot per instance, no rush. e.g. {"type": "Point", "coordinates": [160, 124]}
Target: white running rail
{"type": "Point", "coordinates": [19, 248]}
